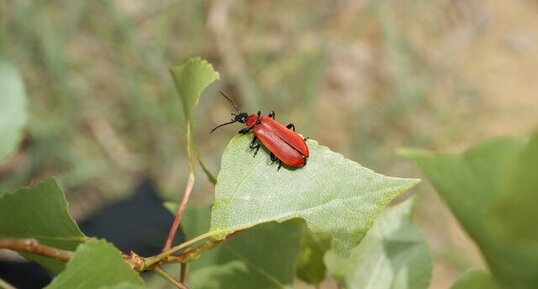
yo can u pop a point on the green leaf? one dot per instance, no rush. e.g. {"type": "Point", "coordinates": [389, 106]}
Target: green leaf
{"type": "Point", "coordinates": [262, 258]}
{"type": "Point", "coordinates": [491, 190]}
{"type": "Point", "coordinates": [123, 285]}
{"type": "Point", "coordinates": [517, 208]}
{"type": "Point", "coordinates": [475, 279]}
{"type": "Point", "coordinates": [392, 255]}
{"type": "Point", "coordinates": [331, 193]}
{"type": "Point", "coordinates": [40, 212]}
{"type": "Point", "coordinates": [191, 79]}
{"type": "Point", "coordinates": [12, 108]}
{"type": "Point", "coordinates": [96, 264]}
{"type": "Point", "coordinates": [310, 265]}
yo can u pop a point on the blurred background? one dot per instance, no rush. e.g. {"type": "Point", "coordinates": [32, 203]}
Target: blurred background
{"type": "Point", "coordinates": [361, 77]}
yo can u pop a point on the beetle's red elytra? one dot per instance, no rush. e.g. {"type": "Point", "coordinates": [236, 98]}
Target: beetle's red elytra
{"type": "Point", "coordinates": [283, 142]}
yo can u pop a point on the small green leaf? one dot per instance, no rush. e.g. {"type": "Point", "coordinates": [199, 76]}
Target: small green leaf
{"type": "Point", "coordinates": [96, 264]}
{"type": "Point", "coordinates": [392, 255]}
{"type": "Point", "coordinates": [475, 279]}
{"type": "Point", "coordinates": [191, 79]}
{"type": "Point", "coordinates": [40, 212]}
{"type": "Point", "coordinates": [262, 258]}
{"type": "Point", "coordinates": [12, 108]}
{"type": "Point", "coordinates": [492, 189]}
{"type": "Point", "coordinates": [310, 265]}
{"type": "Point", "coordinates": [332, 194]}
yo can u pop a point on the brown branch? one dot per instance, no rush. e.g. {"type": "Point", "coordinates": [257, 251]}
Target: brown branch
{"type": "Point", "coordinates": [34, 247]}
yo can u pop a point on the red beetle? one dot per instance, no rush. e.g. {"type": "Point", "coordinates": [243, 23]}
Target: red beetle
{"type": "Point", "coordinates": [283, 142]}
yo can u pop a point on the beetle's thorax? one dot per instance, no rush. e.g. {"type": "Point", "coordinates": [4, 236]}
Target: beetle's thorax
{"type": "Point", "coordinates": [251, 120]}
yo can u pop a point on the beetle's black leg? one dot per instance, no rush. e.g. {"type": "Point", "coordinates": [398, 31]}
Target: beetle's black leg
{"type": "Point", "coordinates": [245, 130]}
{"type": "Point", "coordinates": [258, 119]}
{"type": "Point", "coordinates": [291, 126]}
{"type": "Point", "coordinates": [272, 114]}
{"type": "Point", "coordinates": [254, 146]}
{"type": "Point", "coordinates": [273, 158]}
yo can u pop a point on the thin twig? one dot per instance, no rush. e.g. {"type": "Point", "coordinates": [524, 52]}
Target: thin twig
{"type": "Point", "coordinates": [34, 247]}
{"type": "Point", "coordinates": [192, 254]}
{"type": "Point", "coordinates": [183, 273]}
{"type": "Point", "coordinates": [150, 263]}
{"type": "Point", "coordinates": [186, 192]}
{"type": "Point", "coordinates": [179, 213]}
{"type": "Point", "coordinates": [169, 278]}
{"type": "Point", "coordinates": [156, 259]}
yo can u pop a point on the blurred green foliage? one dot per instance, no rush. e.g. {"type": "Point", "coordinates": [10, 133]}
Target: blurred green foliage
{"type": "Point", "coordinates": [103, 106]}
{"type": "Point", "coordinates": [490, 190]}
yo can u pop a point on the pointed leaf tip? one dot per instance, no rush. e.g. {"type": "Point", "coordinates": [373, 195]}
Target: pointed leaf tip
{"type": "Point", "coordinates": [191, 79]}
{"type": "Point", "coordinates": [332, 194]}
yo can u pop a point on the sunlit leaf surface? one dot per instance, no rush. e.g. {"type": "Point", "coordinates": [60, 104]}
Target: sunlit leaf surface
{"type": "Point", "coordinates": [332, 194]}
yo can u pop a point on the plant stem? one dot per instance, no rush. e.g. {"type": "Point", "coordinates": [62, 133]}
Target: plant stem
{"type": "Point", "coordinates": [33, 246]}
{"type": "Point", "coordinates": [169, 278]}
{"type": "Point", "coordinates": [191, 254]}
{"type": "Point", "coordinates": [179, 213]}
{"type": "Point", "coordinates": [157, 258]}
{"type": "Point", "coordinates": [183, 273]}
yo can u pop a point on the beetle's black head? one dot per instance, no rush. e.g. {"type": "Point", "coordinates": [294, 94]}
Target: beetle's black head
{"type": "Point", "coordinates": [239, 117]}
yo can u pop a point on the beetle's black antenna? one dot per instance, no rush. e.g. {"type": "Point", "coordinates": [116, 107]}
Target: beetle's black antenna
{"type": "Point", "coordinates": [222, 125]}
{"type": "Point", "coordinates": [231, 101]}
